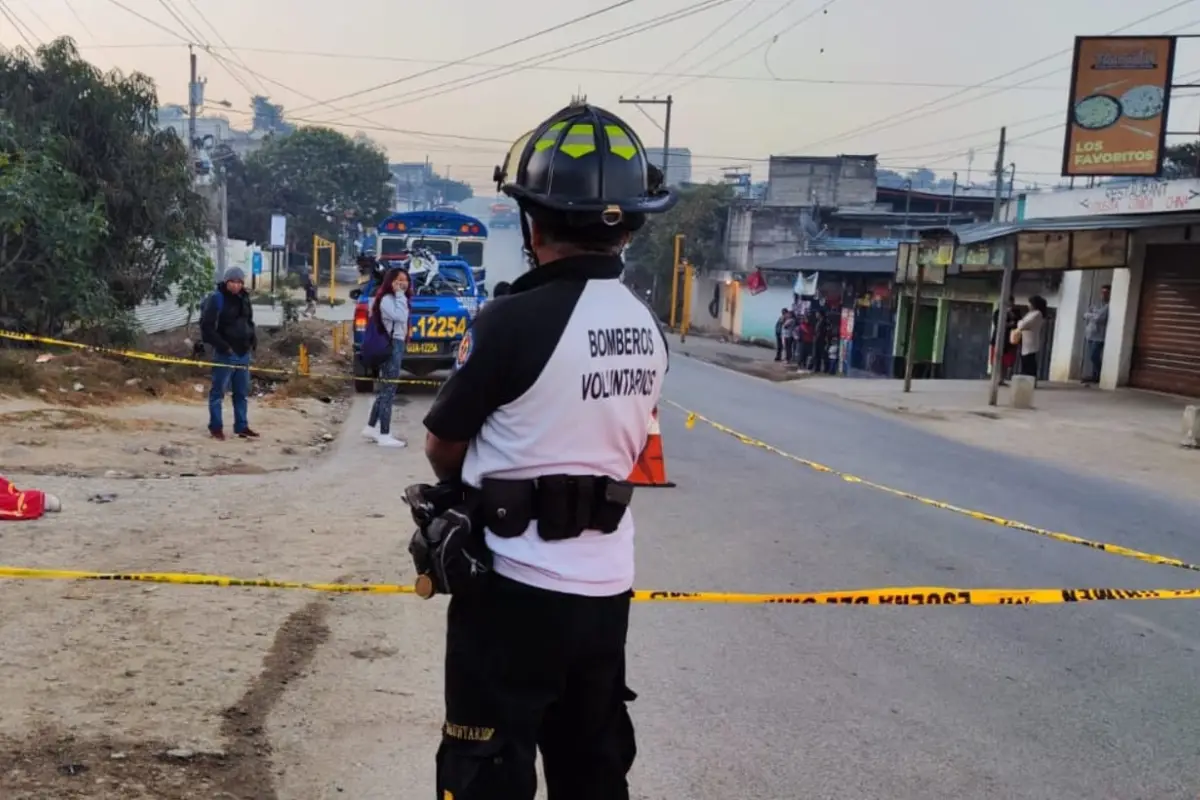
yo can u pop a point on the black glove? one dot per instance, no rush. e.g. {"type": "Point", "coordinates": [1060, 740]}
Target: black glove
{"type": "Point", "coordinates": [447, 548]}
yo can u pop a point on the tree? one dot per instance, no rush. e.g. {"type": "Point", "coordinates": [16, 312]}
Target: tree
{"type": "Point", "coordinates": [197, 276]}
{"type": "Point", "coordinates": [81, 140]}
{"type": "Point", "coordinates": [317, 177]}
{"type": "Point", "coordinates": [268, 116]}
{"type": "Point", "coordinates": [700, 215]}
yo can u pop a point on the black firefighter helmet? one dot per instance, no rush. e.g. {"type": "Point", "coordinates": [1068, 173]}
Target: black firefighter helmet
{"type": "Point", "coordinates": [585, 167]}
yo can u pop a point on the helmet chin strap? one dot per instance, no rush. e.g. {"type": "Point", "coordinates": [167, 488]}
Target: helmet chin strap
{"type": "Point", "coordinates": [527, 236]}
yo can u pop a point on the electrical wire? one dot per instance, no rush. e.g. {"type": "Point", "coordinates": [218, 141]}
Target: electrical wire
{"type": "Point", "coordinates": [713, 32]}
{"type": "Point", "coordinates": [447, 87]}
{"type": "Point", "coordinates": [489, 51]}
{"type": "Point", "coordinates": [221, 39]}
{"type": "Point", "coordinates": [588, 70]}
{"type": "Point", "coordinates": [36, 16]}
{"type": "Point", "coordinates": [79, 19]}
{"type": "Point", "coordinates": [766, 43]}
{"type": "Point", "coordinates": [14, 21]}
{"type": "Point", "coordinates": [150, 21]}
{"type": "Point", "coordinates": [259, 76]}
{"type": "Point", "coordinates": [909, 114]}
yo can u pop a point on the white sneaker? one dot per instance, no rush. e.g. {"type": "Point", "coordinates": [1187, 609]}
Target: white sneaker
{"type": "Point", "coordinates": [387, 440]}
{"type": "Point", "coordinates": [370, 434]}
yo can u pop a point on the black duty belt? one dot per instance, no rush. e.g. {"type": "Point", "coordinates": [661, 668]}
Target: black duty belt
{"type": "Point", "coordinates": [563, 505]}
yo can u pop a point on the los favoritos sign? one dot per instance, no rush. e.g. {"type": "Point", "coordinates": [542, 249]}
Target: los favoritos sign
{"type": "Point", "coordinates": [1139, 197]}
{"type": "Point", "coordinates": [1120, 95]}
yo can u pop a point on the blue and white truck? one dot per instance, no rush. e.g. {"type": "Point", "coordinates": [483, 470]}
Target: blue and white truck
{"type": "Point", "coordinates": [444, 252]}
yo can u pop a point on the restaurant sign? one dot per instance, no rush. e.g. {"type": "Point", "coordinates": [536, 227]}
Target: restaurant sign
{"type": "Point", "coordinates": [1138, 197]}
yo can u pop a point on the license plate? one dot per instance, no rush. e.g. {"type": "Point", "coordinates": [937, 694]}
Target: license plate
{"type": "Point", "coordinates": [422, 348]}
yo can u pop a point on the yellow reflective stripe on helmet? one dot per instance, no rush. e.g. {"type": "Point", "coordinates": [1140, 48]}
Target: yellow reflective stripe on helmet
{"type": "Point", "coordinates": [549, 138]}
{"type": "Point", "coordinates": [619, 142]}
{"type": "Point", "coordinates": [579, 141]}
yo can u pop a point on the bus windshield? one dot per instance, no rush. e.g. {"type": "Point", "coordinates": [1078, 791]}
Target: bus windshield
{"type": "Point", "coordinates": [471, 252]}
{"type": "Point", "coordinates": [439, 247]}
{"type": "Point", "coordinates": [391, 246]}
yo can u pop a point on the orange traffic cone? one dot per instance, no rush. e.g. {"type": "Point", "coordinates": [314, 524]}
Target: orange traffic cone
{"type": "Point", "coordinates": [651, 467]}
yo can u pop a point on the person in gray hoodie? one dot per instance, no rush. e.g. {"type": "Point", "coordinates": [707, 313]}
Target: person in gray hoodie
{"type": "Point", "coordinates": [390, 311]}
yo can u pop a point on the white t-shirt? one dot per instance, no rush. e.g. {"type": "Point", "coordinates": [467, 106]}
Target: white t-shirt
{"type": "Point", "coordinates": [1031, 326]}
{"type": "Point", "coordinates": [558, 378]}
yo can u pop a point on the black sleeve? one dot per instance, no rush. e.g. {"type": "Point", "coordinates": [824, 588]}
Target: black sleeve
{"type": "Point", "coordinates": [506, 348]}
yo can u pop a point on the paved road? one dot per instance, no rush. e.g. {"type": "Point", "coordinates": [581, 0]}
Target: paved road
{"type": "Point", "coordinates": [817, 702]}
{"type": "Point", "coordinates": [1051, 702]}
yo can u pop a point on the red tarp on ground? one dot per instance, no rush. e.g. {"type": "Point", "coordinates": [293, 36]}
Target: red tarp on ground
{"type": "Point", "coordinates": [17, 505]}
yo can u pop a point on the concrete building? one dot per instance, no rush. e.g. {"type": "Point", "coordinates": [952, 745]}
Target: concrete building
{"type": "Point", "coordinates": [1140, 238]}
{"type": "Point", "coordinates": [411, 180]}
{"type": "Point", "coordinates": [821, 180]}
{"type": "Point", "coordinates": [679, 164]}
{"type": "Point", "coordinates": [213, 131]}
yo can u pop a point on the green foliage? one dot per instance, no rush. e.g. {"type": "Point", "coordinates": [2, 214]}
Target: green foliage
{"type": "Point", "coordinates": [700, 215]}
{"type": "Point", "coordinates": [197, 275]}
{"type": "Point", "coordinates": [317, 177]}
{"type": "Point", "coordinates": [94, 196]}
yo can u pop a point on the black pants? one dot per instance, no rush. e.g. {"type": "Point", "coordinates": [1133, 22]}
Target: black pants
{"type": "Point", "coordinates": [778, 347]}
{"type": "Point", "coordinates": [529, 669]}
{"type": "Point", "coordinates": [789, 348]}
{"type": "Point", "coordinates": [1029, 364]}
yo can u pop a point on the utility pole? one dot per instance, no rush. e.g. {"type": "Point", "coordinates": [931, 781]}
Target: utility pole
{"type": "Point", "coordinates": [669, 101]}
{"type": "Point", "coordinates": [223, 228]}
{"type": "Point", "coordinates": [193, 102]}
{"type": "Point", "coordinates": [999, 176]}
{"type": "Point", "coordinates": [1006, 283]}
{"type": "Point", "coordinates": [910, 346]}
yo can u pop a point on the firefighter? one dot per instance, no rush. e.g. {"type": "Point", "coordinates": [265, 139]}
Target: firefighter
{"type": "Point", "coordinates": [532, 439]}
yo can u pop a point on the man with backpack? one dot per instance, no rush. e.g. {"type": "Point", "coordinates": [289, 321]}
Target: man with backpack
{"type": "Point", "coordinates": [227, 326]}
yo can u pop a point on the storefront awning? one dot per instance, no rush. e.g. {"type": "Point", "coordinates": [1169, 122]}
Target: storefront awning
{"type": "Point", "coordinates": [988, 231]}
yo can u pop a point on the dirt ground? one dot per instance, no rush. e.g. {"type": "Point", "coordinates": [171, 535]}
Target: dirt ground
{"type": "Point", "coordinates": [77, 413]}
{"type": "Point", "coordinates": [142, 691]}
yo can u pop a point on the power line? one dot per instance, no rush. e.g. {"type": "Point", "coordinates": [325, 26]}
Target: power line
{"type": "Point", "coordinates": [489, 51]}
{"type": "Point", "coordinates": [37, 18]}
{"type": "Point", "coordinates": [713, 32]}
{"type": "Point", "coordinates": [909, 114]}
{"type": "Point", "coordinates": [585, 69]}
{"type": "Point", "coordinates": [299, 93]}
{"type": "Point", "coordinates": [14, 21]}
{"type": "Point", "coordinates": [221, 39]}
{"type": "Point", "coordinates": [819, 10]}
{"type": "Point", "coordinates": [79, 19]}
{"type": "Point", "coordinates": [150, 21]}
{"type": "Point", "coordinates": [447, 87]}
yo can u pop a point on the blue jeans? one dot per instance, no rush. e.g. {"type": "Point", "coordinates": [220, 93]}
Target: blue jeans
{"type": "Point", "coordinates": [385, 393]}
{"type": "Point", "coordinates": [224, 378]}
{"type": "Point", "coordinates": [1096, 357]}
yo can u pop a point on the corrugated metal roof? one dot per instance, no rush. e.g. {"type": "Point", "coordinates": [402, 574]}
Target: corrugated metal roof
{"type": "Point", "coordinates": [835, 263]}
{"type": "Point", "coordinates": [988, 231]}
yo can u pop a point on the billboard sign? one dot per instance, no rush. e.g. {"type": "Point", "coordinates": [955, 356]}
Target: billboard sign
{"type": "Point", "coordinates": [1117, 116]}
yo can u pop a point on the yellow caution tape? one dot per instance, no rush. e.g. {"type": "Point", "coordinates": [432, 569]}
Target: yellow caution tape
{"type": "Point", "coordinates": [191, 362]}
{"type": "Point", "coordinates": [1114, 549]}
{"type": "Point", "coordinates": [888, 596]}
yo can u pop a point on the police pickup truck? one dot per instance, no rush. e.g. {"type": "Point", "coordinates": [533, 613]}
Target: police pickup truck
{"type": "Point", "coordinates": [445, 299]}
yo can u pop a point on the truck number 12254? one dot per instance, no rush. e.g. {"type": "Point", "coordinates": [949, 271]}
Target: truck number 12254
{"type": "Point", "coordinates": [438, 327]}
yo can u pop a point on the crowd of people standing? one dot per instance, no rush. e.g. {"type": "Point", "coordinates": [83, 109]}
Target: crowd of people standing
{"type": "Point", "coordinates": [807, 335]}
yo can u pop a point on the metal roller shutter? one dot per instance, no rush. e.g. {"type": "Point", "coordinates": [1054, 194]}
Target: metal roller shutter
{"type": "Point", "coordinates": [1166, 347]}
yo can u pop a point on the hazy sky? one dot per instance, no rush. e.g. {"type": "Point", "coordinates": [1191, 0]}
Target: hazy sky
{"type": "Point", "coordinates": [769, 66]}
